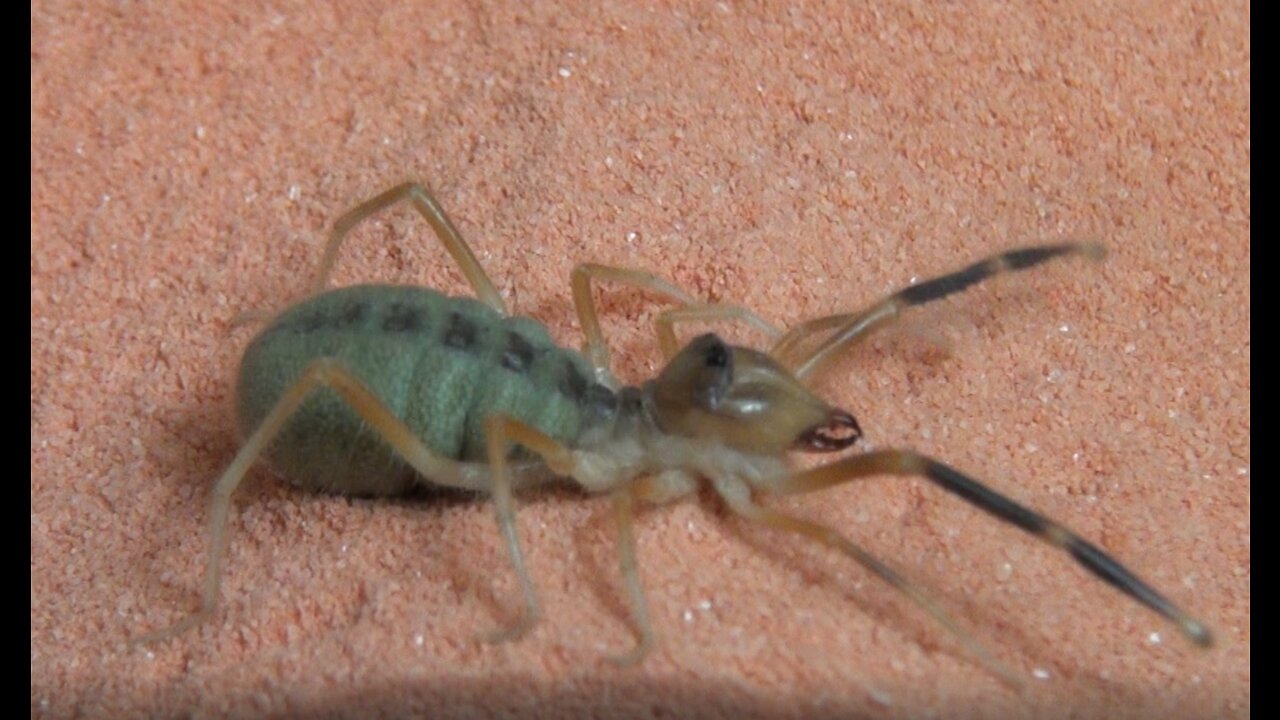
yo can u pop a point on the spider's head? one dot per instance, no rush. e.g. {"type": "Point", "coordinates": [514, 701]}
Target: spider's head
{"type": "Point", "coordinates": [741, 397]}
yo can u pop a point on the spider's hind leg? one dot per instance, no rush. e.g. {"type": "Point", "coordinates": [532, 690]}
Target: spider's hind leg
{"type": "Point", "coordinates": [426, 204]}
{"type": "Point", "coordinates": [322, 373]}
{"type": "Point", "coordinates": [430, 209]}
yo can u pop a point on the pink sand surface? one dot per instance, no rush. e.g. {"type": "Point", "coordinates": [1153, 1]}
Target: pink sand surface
{"type": "Point", "coordinates": [187, 159]}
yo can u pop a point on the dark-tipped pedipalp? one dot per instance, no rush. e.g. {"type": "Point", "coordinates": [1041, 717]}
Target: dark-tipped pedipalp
{"type": "Point", "coordinates": [845, 329]}
{"type": "Point", "coordinates": [1092, 558]}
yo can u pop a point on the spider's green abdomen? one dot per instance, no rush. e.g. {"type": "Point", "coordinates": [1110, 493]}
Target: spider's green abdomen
{"type": "Point", "coordinates": [441, 364]}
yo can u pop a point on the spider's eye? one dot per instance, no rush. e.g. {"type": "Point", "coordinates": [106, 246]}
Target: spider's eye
{"type": "Point", "coordinates": [717, 355]}
{"type": "Point", "coordinates": [717, 374]}
{"type": "Point", "coordinates": [703, 371]}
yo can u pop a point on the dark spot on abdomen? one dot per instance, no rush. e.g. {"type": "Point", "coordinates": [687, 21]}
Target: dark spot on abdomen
{"type": "Point", "coordinates": [518, 354]}
{"type": "Point", "coordinates": [350, 313]}
{"type": "Point", "coordinates": [460, 334]}
{"type": "Point", "coordinates": [311, 322]}
{"type": "Point", "coordinates": [403, 318]}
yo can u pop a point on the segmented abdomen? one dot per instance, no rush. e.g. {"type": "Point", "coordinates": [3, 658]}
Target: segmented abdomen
{"type": "Point", "coordinates": [441, 364]}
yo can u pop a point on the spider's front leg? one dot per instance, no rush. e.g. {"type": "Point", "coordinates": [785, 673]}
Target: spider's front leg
{"type": "Point", "coordinates": [688, 309]}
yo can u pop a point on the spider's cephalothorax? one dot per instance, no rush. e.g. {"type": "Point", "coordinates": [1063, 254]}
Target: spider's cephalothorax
{"type": "Point", "coordinates": [744, 399]}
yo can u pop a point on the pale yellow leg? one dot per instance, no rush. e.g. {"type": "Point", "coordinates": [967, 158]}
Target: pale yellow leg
{"type": "Point", "coordinates": [583, 275]}
{"type": "Point", "coordinates": [631, 577]}
{"type": "Point", "coordinates": [847, 329]}
{"type": "Point", "coordinates": [426, 204]}
{"type": "Point", "coordinates": [321, 373]}
{"type": "Point", "coordinates": [1089, 556]}
{"type": "Point", "coordinates": [665, 324]}
{"type": "Point", "coordinates": [737, 496]}
{"type": "Point", "coordinates": [690, 309]}
{"type": "Point", "coordinates": [500, 432]}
